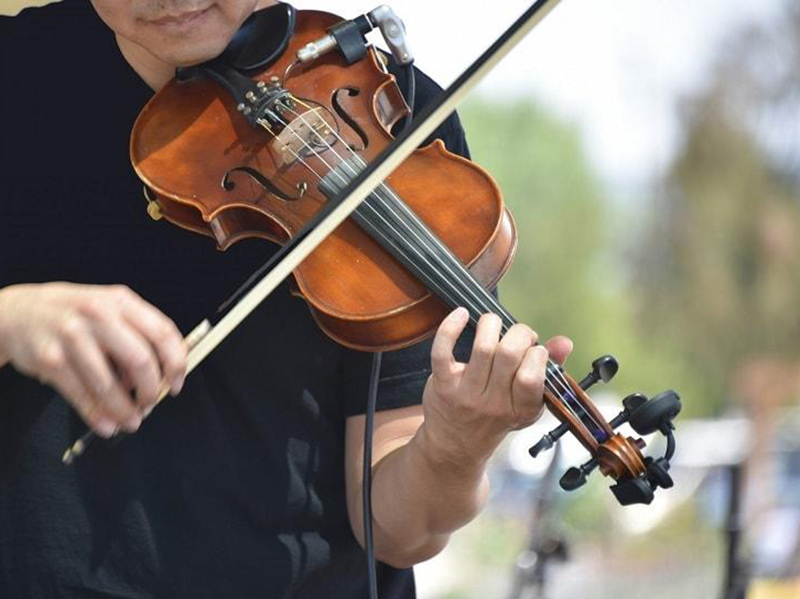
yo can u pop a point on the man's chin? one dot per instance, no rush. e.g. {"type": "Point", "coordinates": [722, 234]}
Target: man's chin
{"type": "Point", "coordinates": [189, 56]}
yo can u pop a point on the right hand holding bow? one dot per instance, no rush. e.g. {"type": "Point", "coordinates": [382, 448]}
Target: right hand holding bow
{"type": "Point", "coordinates": [104, 348]}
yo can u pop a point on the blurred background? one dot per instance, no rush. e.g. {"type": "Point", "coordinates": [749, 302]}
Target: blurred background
{"type": "Point", "coordinates": [649, 151]}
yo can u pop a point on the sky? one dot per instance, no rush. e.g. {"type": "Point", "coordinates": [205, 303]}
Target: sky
{"type": "Point", "coordinates": [613, 67]}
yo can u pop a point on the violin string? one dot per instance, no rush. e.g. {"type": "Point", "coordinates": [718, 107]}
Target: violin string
{"type": "Point", "coordinates": [549, 384]}
{"type": "Point", "coordinates": [454, 300]}
{"type": "Point", "coordinates": [496, 307]}
{"type": "Point", "coordinates": [423, 234]}
{"type": "Point", "coordinates": [554, 369]}
{"type": "Point", "coordinates": [551, 367]}
{"type": "Point", "coordinates": [565, 394]}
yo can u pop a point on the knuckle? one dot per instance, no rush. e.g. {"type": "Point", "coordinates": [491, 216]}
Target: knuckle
{"type": "Point", "coordinates": [117, 404]}
{"type": "Point", "coordinates": [166, 335]}
{"type": "Point", "coordinates": [139, 361]}
{"type": "Point", "coordinates": [102, 386]}
{"type": "Point", "coordinates": [164, 332]}
{"type": "Point", "coordinates": [94, 307]}
{"type": "Point", "coordinates": [508, 352]}
{"type": "Point", "coordinates": [173, 368]}
{"type": "Point", "coordinates": [121, 294]}
{"type": "Point", "coordinates": [529, 379]}
{"type": "Point", "coordinates": [70, 328]}
{"type": "Point", "coordinates": [51, 357]}
{"type": "Point", "coordinates": [522, 335]}
{"type": "Point", "coordinates": [483, 350]}
{"type": "Point", "coordinates": [521, 328]}
{"type": "Point", "coordinates": [133, 361]}
{"type": "Point", "coordinates": [489, 319]}
{"type": "Point", "coordinates": [439, 354]}
{"type": "Point", "coordinates": [446, 327]}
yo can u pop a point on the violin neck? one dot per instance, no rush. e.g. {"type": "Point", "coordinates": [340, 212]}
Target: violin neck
{"type": "Point", "coordinates": [395, 226]}
{"type": "Point", "coordinates": [392, 223]}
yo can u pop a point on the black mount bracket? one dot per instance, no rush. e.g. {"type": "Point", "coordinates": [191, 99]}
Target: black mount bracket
{"type": "Point", "coordinates": [646, 416]}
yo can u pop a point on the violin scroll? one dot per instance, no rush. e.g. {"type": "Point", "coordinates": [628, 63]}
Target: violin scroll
{"type": "Point", "coordinates": [637, 477]}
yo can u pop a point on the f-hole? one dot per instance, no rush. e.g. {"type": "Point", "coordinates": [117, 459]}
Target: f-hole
{"type": "Point", "coordinates": [229, 184]}
{"type": "Point", "coordinates": [351, 122]}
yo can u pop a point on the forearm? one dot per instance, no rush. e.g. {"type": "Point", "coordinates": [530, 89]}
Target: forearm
{"type": "Point", "coordinates": [431, 479]}
{"type": "Point", "coordinates": [419, 499]}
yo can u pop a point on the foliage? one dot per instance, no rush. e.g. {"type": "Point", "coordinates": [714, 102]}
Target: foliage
{"type": "Point", "coordinates": [720, 263]}
{"type": "Point", "coordinates": [567, 277]}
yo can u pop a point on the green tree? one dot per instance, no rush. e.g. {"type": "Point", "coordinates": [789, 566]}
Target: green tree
{"type": "Point", "coordinates": [568, 276]}
{"type": "Point", "coordinates": [720, 265]}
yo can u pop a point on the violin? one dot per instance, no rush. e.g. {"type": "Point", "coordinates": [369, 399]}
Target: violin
{"type": "Point", "coordinates": [266, 138]}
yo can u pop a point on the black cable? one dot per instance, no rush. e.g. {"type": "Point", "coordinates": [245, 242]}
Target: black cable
{"type": "Point", "coordinates": [670, 445]}
{"type": "Point", "coordinates": [411, 93]}
{"type": "Point", "coordinates": [369, 425]}
{"type": "Point", "coordinates": [372, 399]}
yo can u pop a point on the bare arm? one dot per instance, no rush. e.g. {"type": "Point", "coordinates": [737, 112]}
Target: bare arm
{"type": "Point", "coordinates": [430, 460]}
{"type": "Point", "coordinates": [417, 503]}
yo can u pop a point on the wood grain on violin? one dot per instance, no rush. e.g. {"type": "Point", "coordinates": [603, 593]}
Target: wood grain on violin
{"type": "Point", "coordinates": [191, 136]}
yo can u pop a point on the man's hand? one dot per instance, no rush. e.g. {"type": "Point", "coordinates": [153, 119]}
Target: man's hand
{"type": "Point", "coordinates": [469, 408]}
{"type": "Point", "coordinates": [104, 348]}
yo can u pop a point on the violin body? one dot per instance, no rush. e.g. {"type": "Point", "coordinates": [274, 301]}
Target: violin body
{"type": "Point", "coordinates": [195, 152]}
{"type": "Point", "coordinates": [259, 141]}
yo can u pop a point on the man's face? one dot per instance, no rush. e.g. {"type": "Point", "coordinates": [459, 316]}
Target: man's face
{"type": "Point", "coordinates": [178, 32]}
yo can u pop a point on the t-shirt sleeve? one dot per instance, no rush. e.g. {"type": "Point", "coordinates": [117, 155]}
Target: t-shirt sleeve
{"type": "Point", "coordinates": [402, 376]}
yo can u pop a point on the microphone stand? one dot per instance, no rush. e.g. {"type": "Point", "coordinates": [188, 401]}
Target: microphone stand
{"type": "Point", "coordinates": [736, 571]}
{"type": "Point", "coordinates": [530, 570]}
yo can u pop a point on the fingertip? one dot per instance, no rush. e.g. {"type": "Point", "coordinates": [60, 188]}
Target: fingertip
{"type": "Point", "coordinates": [542, 352]}
{"type": "Point", "coordinates": [560, 348]}
{"type": "Point", "coordinates": [177, 384]}
{"type": "Point", "coordinates": [460, 314]}
{"type": "Point", "coordinates": [132, 425]}
{"type": "Point", "coordinates": [105, 428]}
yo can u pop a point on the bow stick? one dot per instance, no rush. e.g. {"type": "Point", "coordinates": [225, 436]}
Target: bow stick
{"type": "Point", "coordinates": [211, 332]}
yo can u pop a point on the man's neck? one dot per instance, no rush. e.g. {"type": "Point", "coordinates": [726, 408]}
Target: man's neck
{"type": "Point", "coordinates": [155, 72]}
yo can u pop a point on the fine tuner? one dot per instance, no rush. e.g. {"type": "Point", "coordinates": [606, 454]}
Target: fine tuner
{"type": "Point", "coordinates": [646, 416]}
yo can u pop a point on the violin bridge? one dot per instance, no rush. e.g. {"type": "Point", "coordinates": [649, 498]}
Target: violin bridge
{"type": "Point", "coordinates": [309, 133]}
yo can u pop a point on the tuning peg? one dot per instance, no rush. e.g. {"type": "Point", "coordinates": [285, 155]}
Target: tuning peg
{"type": "Point", "coordinates": [656, 414]}
{"type": "Point", "coordinates": [633, 402]}
{"type": "Point", "coordinates": [603, 369]}
{"type": "Point", "coordinates": [548, 440]}
{"type": "Point", "coordinates": [629, 491]}
{"type": "Point", "coordinates": [658, 473]}
{"type": "Point", "coordinates": [575, 478]}
{"type": "Point", "coordinates": [630, 404]}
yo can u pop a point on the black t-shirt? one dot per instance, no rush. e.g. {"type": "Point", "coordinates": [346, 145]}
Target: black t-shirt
{"type": "Point", "coordinates": [234, 489]}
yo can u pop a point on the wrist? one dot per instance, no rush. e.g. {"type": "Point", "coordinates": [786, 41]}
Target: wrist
{"type": "Point", "coordinates": [450, 457]}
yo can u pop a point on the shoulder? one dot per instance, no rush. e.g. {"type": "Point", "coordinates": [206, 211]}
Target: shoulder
{"type": "Point", "coordinates": [38, 38]}
{"type": "Point", "coordinates": [54, 16]}
{"type": "Point", "coordinates": [53, 47]}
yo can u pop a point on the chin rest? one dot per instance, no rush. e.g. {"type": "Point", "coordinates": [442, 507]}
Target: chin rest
{"type": "Point", "coordinates": [260, 41]}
